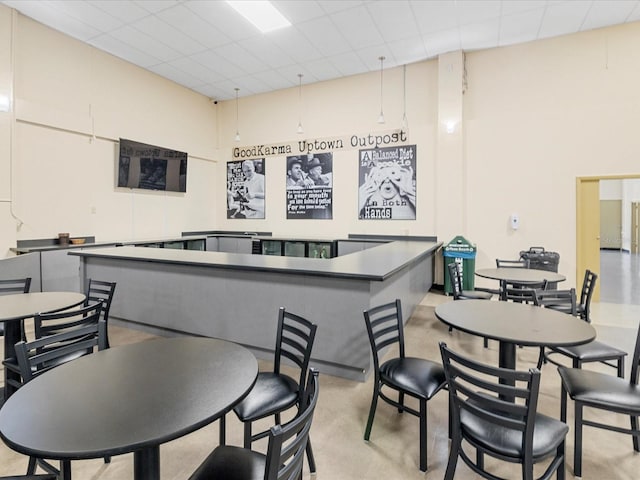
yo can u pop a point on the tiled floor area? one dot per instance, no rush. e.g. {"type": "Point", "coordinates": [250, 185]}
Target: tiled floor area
{"type": "Point", "coordinates": [392, 453]}
{"type": "Point", "coordinates": [619, 277]}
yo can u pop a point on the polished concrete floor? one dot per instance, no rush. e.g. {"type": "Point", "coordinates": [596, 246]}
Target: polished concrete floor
{"type": "Point", "coordinates": [392, 453]}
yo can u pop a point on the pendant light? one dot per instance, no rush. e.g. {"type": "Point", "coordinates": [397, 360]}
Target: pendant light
{"type": "Point", "coordinates": [300, 129]}
{"type": "Point", "coordinates": [381, 117]}
{"type": "Point", "coordinates": [237, 129]}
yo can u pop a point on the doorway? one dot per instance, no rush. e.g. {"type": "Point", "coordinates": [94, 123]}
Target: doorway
{"type": "Point", "coordinates": [589, 239]}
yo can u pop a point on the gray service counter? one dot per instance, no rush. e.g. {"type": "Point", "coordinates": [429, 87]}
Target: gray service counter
{"type": "Point", "coordinates": [236, 296]}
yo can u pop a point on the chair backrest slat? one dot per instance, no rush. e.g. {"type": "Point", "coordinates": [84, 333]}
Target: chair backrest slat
{"type": "Point", "coordinates": [64, 342]}
{"type": "Point", "coordinates": [17, 285]}
{"type": "Point", "coordinates": [294, 342]}
{"type": "Point", "coordinates": [288, 442]}
{"type": "Point", "coordinates": [483, 391]}
{"type": "Point", "coordinates": [384, 329]}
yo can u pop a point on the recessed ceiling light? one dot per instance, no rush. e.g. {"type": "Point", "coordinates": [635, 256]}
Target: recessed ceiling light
{"type": "Point", "coordinates": [260, 13]}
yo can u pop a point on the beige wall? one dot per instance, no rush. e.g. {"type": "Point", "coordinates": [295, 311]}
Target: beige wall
{"type": "Point", "coordinates": [72, 104]}
{"type": "Point", "coordinates": [534, 117]}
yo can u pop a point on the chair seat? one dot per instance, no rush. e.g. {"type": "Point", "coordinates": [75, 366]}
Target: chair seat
{"type": "Point", "coordinates": [475, 295]}
{"type": "Point", "coordinates": [601, 390]}
{"type": "Point", "coordinates": [271, 394]}
{"type": "Point", "coordinates": [231, 463]}
{"type": "Point", "coordinates": [548, 433]}
{"type": "Point", "coordinates": [422, 378]}
{"type": "Point", "coordinates": [591, 351]}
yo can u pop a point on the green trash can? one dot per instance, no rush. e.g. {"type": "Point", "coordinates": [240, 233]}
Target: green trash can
{"type": "Point", "coordinates": [463, 252]}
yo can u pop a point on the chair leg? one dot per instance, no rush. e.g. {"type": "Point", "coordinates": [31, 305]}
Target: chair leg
{"type": "Point", "coordinates": [247, 435]}
{"type": "Point", "coordinates": [636, 438]}
{"type": "Point", "coordinates": [577, 454]}
{"type": "Point", "coordinates": [310, 458]}
{"type": "Point", "coordinates": [453, 457]}
{"type": "Point", "coordinates": [540, 358]}
{"type": "Point", "coordinates": [563, 405]}
{"type": "Point", "coordinates": [372, 412]}
{"type": "Point", "coordinates": [223, 430]}
{"type": "Point", "coordinates": [621, 367]}
{"type": "Point", "coordinates": [561, 452]}
{"type": "Point", "coordinates": [423, 435]}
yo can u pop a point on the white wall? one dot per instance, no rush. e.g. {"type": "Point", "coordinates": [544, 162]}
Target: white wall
{"type": "Point", "coordinates": [534, 118]}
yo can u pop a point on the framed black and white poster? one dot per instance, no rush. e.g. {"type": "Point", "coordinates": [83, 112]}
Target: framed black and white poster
{"type": "Point", "coordinates": [245, 189]}
{"type": "Point", "coordinates": [310, 186]}
{"type": "Point", "coordinates": [387, 183]}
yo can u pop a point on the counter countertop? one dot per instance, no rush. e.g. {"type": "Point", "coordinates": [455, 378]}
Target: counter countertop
{"type": "Point", "coordinates": [375, 264]}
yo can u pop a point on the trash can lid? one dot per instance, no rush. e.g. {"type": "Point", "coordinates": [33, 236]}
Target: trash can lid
{"type": "Point", "coordinates": [458, 247]}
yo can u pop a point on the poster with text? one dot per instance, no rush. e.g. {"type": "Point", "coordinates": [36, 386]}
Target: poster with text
{"type": "Point", "coordinates": [310, 186]}
{"type": "Point", "coordinates": [245, 189]}
{"type": "Point", "coordinates": [387, 179]}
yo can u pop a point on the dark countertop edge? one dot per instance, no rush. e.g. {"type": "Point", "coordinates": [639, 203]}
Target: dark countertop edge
{"type": "Point", "coordinates": [294, 265]}
{"type": "Point", "coordinates": [70, 246]}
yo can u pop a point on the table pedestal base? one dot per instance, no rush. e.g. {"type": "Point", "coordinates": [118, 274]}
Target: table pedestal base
{"type": "Point", "coordinates": [146, 464]}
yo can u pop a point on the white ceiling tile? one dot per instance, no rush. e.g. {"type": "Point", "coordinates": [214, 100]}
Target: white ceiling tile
{"type": "Point", "coordinates": [509, 7]}
{"type": "Point", "coordinates": [196, 69]}
{"type": "Point", "coordinates": [324, 36]}
{"type": "Point", "coordinates": [295, 44]}
{"type": "Point", "coordinates": [408, 50]}
{"type": "Point", "coordinates": [172, 73]}
{"type": "Point", "coordinates": [331, 6]}
{"type": "Point", "coordinates": [560, 17]}
{"type": "Point", "coordinates": [116, 47]}
{"type": "Point", "coordinates": [520, 27]}
{"type": "Point", "coordinates": [193, 26]}
{"type": "Point", "coordinates": [155, 6]}
{"type": "Point", "coordinates": [322, 70]}
{"type": "Point", "coordinates": [435, 16]}
{"type": "Point", "coordinates": [296, 11]}
{"type": "Point", "coordinates": [357, 27]}
{"type": "Point", "coordinates": [267, 51]}
{"type": "Point", "coordinates": [349, 64]}
{"type": "Point", "coordinates": [634, 16]}
{"type": "Point", "coordinates": [124, 10]}
{"type": "Point", "coordinates": [480, 35]}
{"type": "Point", "coordinates": [602, 14]}
{"type": "Point", "coordinates": [242, 58]}
{"type": "Point", "coordinates": [87, 14]}
{"type": "Point", "coordinates": [442, 42]}
{"type": "Point", "coordinates": [474, 12]}
{"type": "Point", "coordinates": [213, 61]}
{"type": "Point", "coordinates": [394, 19]}
{"type": "Point", "coordinates": [168, 35]}
{"type": "Point", "coordinates": [140, 40]}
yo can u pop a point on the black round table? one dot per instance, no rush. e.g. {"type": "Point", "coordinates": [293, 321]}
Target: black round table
{"type": "Point", "coordinates": [125, 399]}
{"type": "Point", "coordinates": [514, 324]}
{"type": "Point", "coordinates": [519, 275]}
{"type": "Point", "coordinates": [17, 307]}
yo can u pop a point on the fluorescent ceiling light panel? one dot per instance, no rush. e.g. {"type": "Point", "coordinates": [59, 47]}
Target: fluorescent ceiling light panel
{"type": "Point", "coordinates": [260, 13]}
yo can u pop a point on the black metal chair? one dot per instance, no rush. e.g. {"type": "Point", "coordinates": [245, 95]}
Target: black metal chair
{"type": "Point", "coordinates": [274, 392]}
{"type": "Point", "coordinates": [11, 286]}
{"type": "Point", "coordinates": [456, 286]}
{"type": "Point", "coordinates": [521, 292]}
{"type": "Point", "coordinates": [416, 377]}
{"type": "Point", "coordinates": [98, 290]}
{"type": "Point", "coordinates": [605, 393]}
{"type": "Point", "coordinates": [494, 410]}
{"type": "Point", "coordinates": [83, 335]}
{"type": "Point", "coordinates": [285, 452]}
{"type": "Point", "coordinates": [595, 351]}
{"type": "Point", "coordinates": [460, 294]}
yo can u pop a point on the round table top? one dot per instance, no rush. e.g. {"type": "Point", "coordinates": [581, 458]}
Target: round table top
{"type": "Point", "coordinates": [24, 305]}
{"type": "Point", "coordinates": [520, 275]}
{"type": "Point", "coordinates": [518, 323]}
{"type": "Point", "coordinates": [127, 398]}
